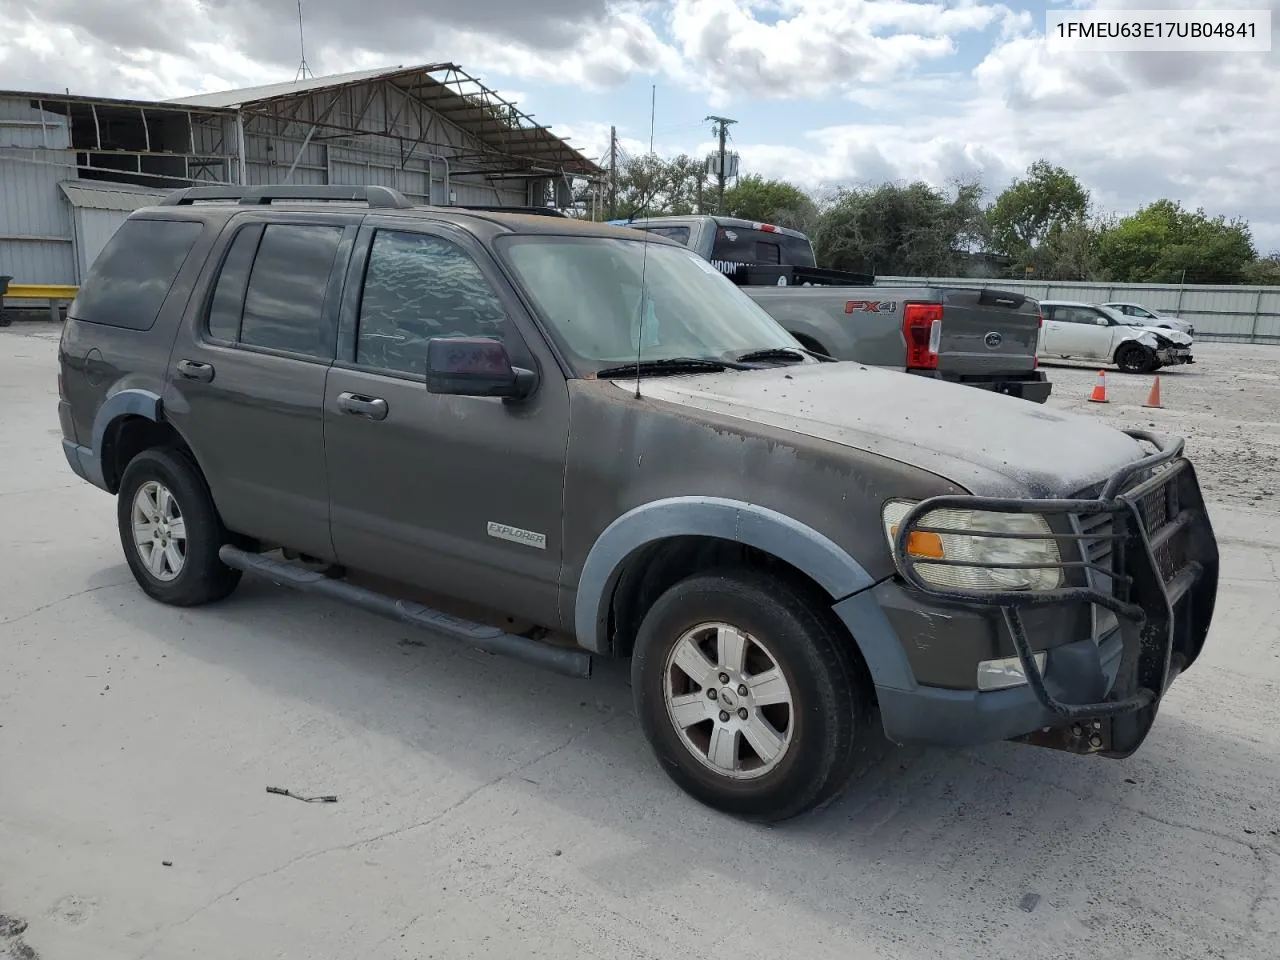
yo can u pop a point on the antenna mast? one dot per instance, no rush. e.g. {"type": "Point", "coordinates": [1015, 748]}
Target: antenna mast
{"type": "Point", "coordinates": [304, 71]}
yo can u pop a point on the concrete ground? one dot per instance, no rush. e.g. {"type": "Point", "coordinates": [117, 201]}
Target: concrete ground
{"type": "Point", "coordinates": [489, 810]}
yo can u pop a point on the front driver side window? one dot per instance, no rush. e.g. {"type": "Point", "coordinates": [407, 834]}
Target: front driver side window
{"type": "Point", "coordinates": [416, 287]}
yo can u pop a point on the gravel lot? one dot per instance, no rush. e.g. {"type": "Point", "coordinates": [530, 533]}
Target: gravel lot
{"type": "Point", "coordinates": [489, 810]}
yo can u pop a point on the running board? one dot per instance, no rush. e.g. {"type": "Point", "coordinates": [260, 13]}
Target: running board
{"type": "Point", "coordinates": [562, 660]}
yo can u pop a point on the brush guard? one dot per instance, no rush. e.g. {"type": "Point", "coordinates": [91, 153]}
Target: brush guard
{"type": "Point", "coordinates": [1159, 579]}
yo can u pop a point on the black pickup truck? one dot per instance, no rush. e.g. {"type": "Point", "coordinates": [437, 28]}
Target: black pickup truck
{"type": "Point", "coordinates": [981, 338]}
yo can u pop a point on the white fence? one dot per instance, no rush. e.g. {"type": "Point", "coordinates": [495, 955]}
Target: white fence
{"type": "Point", "coordinates": [1239, 314]}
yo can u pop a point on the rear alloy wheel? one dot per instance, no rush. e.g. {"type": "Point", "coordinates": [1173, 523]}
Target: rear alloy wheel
{"type": "Point", "coordinates": [749, 693]}
{"type": "Point", "coordinates": [170, 530]}
{"type": "Point", "coordinates": [1135, 358]}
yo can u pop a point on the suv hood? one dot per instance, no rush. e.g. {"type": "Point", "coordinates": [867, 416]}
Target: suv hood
{"type": "Point", "coordinates": [988, 443]}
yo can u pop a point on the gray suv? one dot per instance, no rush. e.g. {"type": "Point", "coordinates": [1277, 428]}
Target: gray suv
{"type": "Point", "coordinates": [556, 440]}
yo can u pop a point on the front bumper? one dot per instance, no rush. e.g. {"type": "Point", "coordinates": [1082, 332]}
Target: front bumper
{"type": "Point", "coordinates": [1172, 356]}
{"type": "Point", "coordinates": [1147, 567]}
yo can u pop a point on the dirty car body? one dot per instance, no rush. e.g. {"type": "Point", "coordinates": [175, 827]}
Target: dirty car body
{"type": "Point", "coordinates": [600, 442]}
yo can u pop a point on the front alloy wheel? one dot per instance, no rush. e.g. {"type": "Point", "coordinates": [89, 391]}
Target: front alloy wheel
{"type": "Point", "coordinates": [729, 701]}
{"type": "Point", "coordinates": [752, 695]}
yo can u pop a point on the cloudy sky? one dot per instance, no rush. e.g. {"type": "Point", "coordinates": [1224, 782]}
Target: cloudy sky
{"type": "Point", "coordinates": [824, 91]}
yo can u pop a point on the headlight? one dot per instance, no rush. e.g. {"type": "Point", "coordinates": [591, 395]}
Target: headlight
{"type": "Point", "coordinates": [1040, 556]}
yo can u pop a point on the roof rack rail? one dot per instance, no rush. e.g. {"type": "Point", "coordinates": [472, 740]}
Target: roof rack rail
{"type": "Point", "coordinates": [498, 208]}
{"type": "Point", "coordinates": [374, 196]}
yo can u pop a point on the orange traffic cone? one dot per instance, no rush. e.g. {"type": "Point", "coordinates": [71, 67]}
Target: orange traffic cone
{"type": "Point", "coordinates": [1099, 394]}
{"type": "Point", "coordinates": [1153, 399]}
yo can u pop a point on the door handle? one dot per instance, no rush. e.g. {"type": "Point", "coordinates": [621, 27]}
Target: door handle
{"type": "Point", "coordinates": [358, 405]}
{"type": "Point", "coordinates": [195, 370]}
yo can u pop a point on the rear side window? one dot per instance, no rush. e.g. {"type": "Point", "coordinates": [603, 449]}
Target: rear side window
{"type": "Point", "coordinates": [227, 307]}
{"type": "Point", "coordinates": [284, 302]}
{"type": "Point", "coordinates": [134, 273]}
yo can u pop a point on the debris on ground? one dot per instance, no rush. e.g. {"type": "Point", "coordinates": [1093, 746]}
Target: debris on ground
{"type": "Point", "coordinates": [330, 798]}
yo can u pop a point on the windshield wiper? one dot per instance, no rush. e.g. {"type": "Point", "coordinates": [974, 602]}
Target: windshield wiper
{"type": "Point", "coordinates": [774, 353]}
{"type": "Point", "coordinates": [671, 365]}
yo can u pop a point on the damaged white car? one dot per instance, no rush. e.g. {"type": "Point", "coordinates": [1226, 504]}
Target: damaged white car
{"type": "Point", "coordinates": [1087, 331]}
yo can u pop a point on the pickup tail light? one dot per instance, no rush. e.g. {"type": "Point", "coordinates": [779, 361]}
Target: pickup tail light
{"type": "Point", "coordinates": [922, 329]}
{"type": "Point", "coordinates": [62, 391]}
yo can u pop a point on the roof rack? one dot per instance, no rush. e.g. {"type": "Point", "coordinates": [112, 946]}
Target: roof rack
{"type": "Point", "coordinates": [498, 208]}
{"type": "Point", "coordinates": [374, 196]}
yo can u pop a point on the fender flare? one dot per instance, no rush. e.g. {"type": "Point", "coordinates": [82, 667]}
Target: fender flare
{"type": "Point", "coordinates": [132, 402]}
{"type": "Point", "coordinates": [797, 544]}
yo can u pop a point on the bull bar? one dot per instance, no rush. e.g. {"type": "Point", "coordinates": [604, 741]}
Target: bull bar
{"type": "Point", "coordinates": [1159, 579]}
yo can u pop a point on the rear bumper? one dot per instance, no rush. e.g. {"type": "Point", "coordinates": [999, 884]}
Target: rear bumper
{"type": "Point", "coordinates": [1030, 386]}
{"type": "Point", "coordinates": [1156, 587]}
{"type": "Point", "coordinates": [84, 464]}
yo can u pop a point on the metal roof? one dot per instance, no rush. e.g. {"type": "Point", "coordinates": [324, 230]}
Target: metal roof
{"type": "Point", "coordinates": [231, 99]}
{"type": "Point", "coordinates": [101, 195]}
{"type": "Point", "coordinates": [504, 131]}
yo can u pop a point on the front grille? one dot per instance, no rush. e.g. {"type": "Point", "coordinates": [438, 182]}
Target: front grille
{"type": "Point", "coordinates": [1157, 508]}
{"type": "Point", "coordinates": [1097, 543]}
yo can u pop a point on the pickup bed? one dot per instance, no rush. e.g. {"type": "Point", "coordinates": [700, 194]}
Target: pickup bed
{"type": "Point", "coordinates": [981, 338]}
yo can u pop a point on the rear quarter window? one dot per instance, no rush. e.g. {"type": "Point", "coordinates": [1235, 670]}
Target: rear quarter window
{"type": "Point", "coordinates": [134, 272]}
{"type": "Point", "coordinates": [678, 234]}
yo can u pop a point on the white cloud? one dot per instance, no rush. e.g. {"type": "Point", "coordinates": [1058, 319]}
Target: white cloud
{"type": "Point", "coordinates": [895, 102]}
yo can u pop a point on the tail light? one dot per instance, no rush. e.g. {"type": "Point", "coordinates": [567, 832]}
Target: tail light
{"type": "Point", "coordinates": [922, 329]}
{"type": "Point", "coordinates": [62, 392]}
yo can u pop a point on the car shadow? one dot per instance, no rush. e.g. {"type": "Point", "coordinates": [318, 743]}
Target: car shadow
{"type": "Point", "coordinates": [977, 849]}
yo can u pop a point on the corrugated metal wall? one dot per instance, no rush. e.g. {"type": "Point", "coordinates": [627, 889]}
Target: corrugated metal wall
{"type": "Point", "coordinates": [1249, 314]}
{"type": "Point", "coordinates": [36, 244]}
{"type": "Point", "coordinates": [278, 152]}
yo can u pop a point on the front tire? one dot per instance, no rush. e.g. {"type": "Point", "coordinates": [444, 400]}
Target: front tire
{"type": "Point", "coordinates": [1135, 358]}
{"type": "Point", "coordinates": [170, 530]}
{"type": "Point", "coordinates": [749, 694]}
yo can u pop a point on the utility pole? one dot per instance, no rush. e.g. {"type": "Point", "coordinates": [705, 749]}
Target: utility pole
{"type": "Point", "coordinates": [613, 173]}
{"type": "Point", "coordinates": [722, 127]}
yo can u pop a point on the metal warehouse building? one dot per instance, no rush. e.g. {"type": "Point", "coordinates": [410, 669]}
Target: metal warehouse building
{"type": "Point", "coordinates": [73, 167]}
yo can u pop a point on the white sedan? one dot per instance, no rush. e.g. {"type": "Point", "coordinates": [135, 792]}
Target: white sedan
{"type": "Point", "coordinates": [1087, 331]}
{"type": "Point", "coordinates": [1149, 318]}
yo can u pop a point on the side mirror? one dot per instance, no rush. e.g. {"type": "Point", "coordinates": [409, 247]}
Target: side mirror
{"type": "Point", "coordinates": [475, 367]}
{"type": "Point", "coordinates": [1102, 322]}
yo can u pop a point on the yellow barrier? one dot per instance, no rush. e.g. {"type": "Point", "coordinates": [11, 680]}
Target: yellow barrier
{"type": "Point", "coordinates": [53, 294]}
{"type": "Point", "coordinates": [41, 291]}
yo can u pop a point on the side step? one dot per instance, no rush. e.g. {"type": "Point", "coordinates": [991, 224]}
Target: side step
{"type": "Point", "coordinates": [563, 660]}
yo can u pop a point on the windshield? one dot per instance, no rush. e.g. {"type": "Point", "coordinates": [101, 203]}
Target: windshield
{"type": "Point", "coordinates": [588, 292]}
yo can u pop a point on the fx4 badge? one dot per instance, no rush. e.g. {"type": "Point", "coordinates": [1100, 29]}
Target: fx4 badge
{"type": "Point", "coordinates": [871, 306]}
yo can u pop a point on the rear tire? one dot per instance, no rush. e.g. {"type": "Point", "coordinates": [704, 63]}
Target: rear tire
{"type": "Point", "coordinates": [780, 736]}
{"type": "Point", "coordinates": [170, 530]}
{"type": "Point", "coordinates": [1135, 358]}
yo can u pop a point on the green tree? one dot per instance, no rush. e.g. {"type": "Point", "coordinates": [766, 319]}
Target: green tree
{"type": "Point", "coordinates": [1163, 243]}
{"type": "Point", "coordinates": [1068, 251]}
{"type": "Point", "coordinates": [1265, 271]}
{"type": "Point", "coordinates": [913, 230]}
{"type": "Point", "coordinates": [649, 186]}
{"type": "Point", "coordinates": [771, 201]}
{"type": "Point", "coordinates": [1031, 209]}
